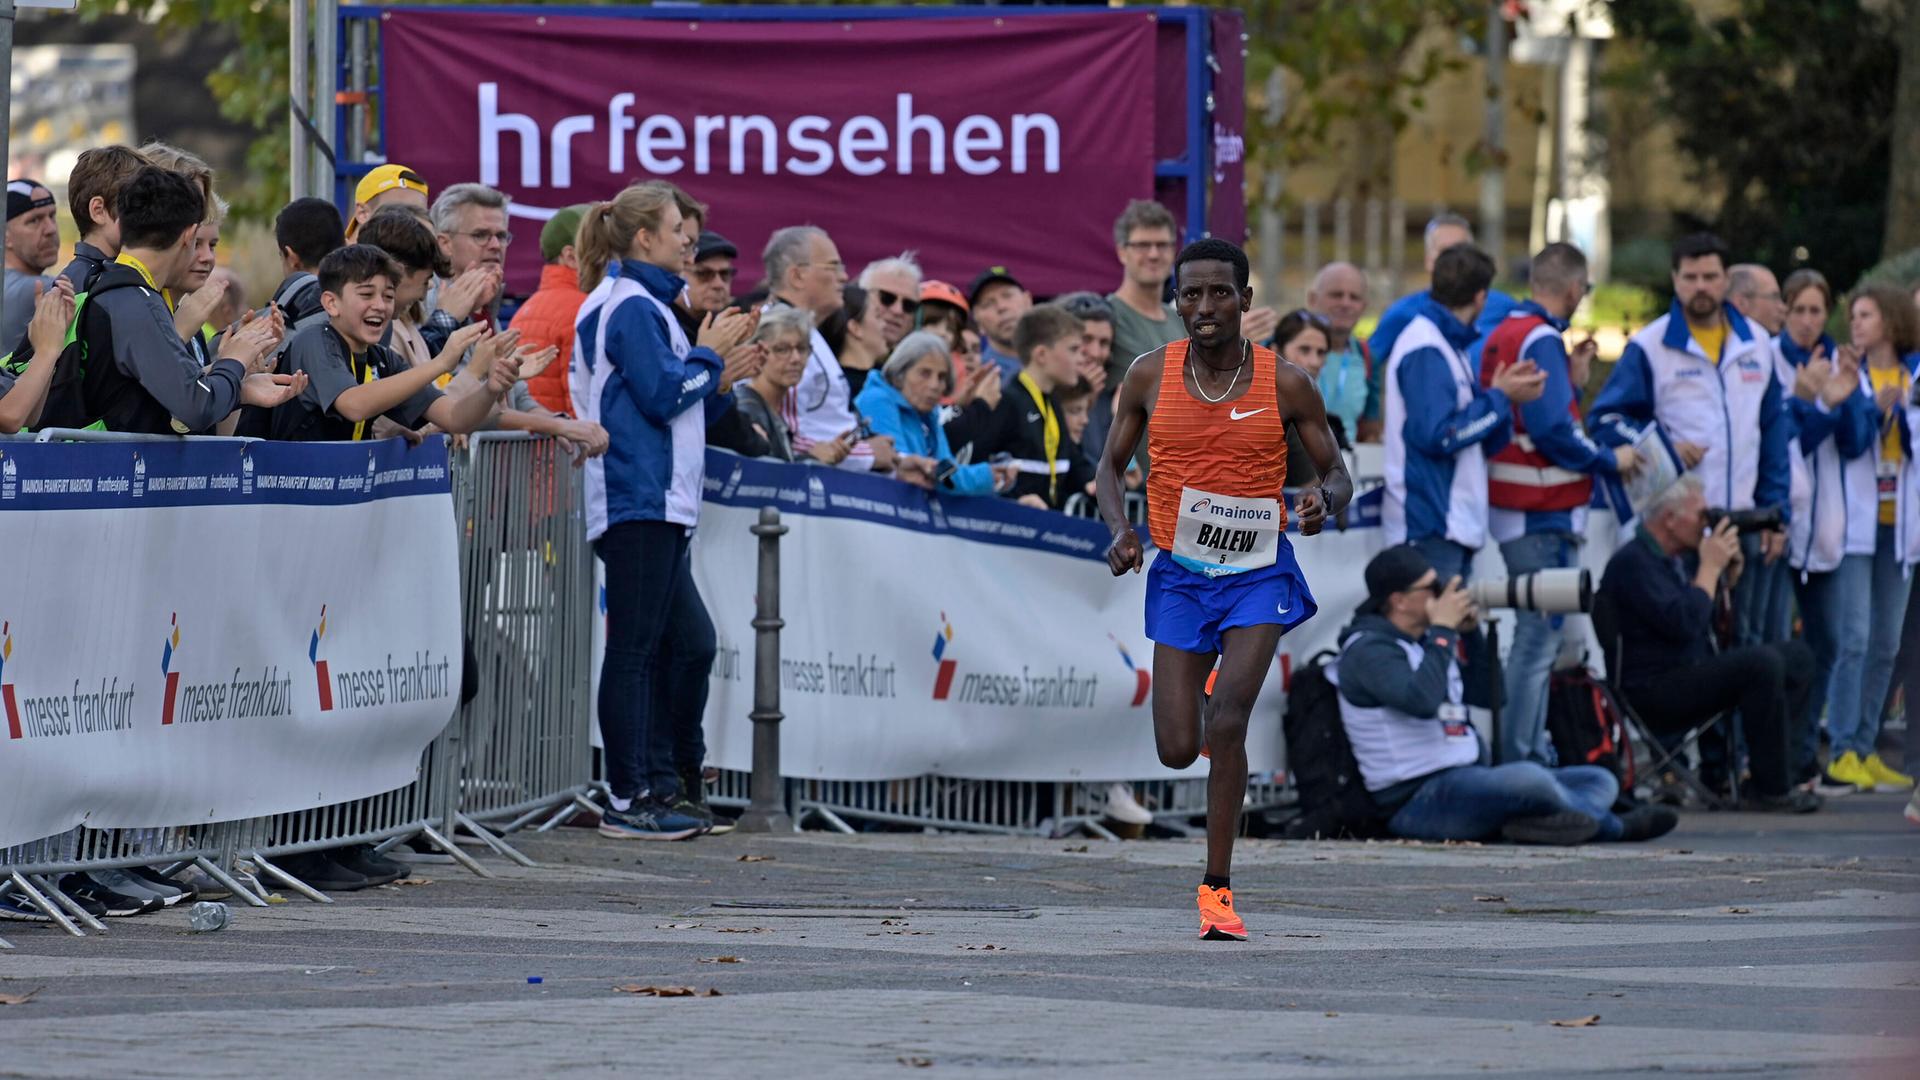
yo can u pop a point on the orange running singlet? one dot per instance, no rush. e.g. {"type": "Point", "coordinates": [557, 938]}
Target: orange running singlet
{"type": "Point", "coordinates": [1213, 491]}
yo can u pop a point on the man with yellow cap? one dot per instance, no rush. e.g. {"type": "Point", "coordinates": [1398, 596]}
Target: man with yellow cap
{"type": "Point", "coordinates": [387, 185]}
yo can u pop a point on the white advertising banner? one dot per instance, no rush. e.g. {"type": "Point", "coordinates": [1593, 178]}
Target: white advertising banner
{"type": "Point", "coordinates": [965, 637]}
{"type": "Point", "coordinates": [203, 631]}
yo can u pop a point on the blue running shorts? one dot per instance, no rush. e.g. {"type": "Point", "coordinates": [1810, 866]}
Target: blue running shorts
{"type": "Point", "coordinates": [1189, 611]}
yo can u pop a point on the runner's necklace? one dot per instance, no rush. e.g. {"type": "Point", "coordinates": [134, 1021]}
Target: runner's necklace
{"type": "Point", "coordinates": [1245, 356]}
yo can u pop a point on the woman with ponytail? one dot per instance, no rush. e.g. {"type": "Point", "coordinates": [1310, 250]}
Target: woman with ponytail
{"type": "Point", "coordinates": [636, 374]}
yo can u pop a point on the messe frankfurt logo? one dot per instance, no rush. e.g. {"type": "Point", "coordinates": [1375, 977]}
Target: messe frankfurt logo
{"type": "Point", "coordinates": [1143, 680]}
{"type": "Point", "coordinates": [6, 688]}
{"type": "Point", "coordinates": [319, 665]}
{"type": "Point", "coordinates": [943, 682]}
{"type": "Point", "coordinates": [172, 642]}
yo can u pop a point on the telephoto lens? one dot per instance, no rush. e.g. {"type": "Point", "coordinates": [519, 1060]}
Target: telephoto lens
{"type": "Point", "coordinates": [1552, 592]}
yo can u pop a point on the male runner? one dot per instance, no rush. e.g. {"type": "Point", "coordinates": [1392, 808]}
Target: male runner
{"type": "Point", "coordinates": [1225, 585]}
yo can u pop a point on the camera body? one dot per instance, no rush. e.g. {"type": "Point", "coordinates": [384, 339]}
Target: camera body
{"type": "Point", "coordinates": [1758, 519]}
{"type": "Point", "coordinates": [1550, 592]}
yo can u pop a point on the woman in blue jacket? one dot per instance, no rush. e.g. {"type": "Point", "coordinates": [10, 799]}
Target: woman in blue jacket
{"type": "Point", "coordinates": [905, 404]}
{"type": "Point", "coordinates": [635, 373]}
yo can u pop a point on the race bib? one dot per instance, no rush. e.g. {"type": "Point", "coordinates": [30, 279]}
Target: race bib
{"type": "Point", "coordinates": [1888, 480]}
{"type": "Point", "coordinates": [1220, 534]}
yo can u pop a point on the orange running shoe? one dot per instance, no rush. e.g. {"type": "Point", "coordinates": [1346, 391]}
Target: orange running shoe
{"type": "Point", "coordinates": [1218, 922]}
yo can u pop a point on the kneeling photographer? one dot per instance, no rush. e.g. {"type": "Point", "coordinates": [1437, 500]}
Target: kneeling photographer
{"type": "Point", "coordinates": [1668, 670]}
{"type": "Point", "coordinates": [1400, 695]}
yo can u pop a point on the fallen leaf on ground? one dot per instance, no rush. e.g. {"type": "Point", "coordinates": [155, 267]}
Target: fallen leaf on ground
{"type": "Point", "coordinates": [1303, 935]}
{"type": "Point", "coordinates": [18, 999]}
{"type": "Point", "coordinates": [977, 948]}
{"type": "Point", "coordinates": [915, 1062]}
{"type": "Point", "coordinates": [745, 930]}
{"type": "Point", "coordinates": [677, 926]}
{"type": "Point", "coordinates": [756, 858]}
{"type": "Point", "coordinates": [1491, 899]}
{"type": "Point", "coordinates": [721, 960]}
{"type": "Point", "coordinates": [414, 881]}
{"type": "Point", "coordinates": [666, 991]}
{"type": "Point", "coordinates": [1082, 849]}
{"type": "Point", "coordinates": [1333, 1014]}
{"type": "Point", "coordinates": [1737, 910]}
{"type": "Point", "coordinates": [1581, 1021]}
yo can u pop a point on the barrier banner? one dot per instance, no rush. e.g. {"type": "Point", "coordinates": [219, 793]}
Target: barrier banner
{"type": "Point", "coordinates": [874, 129]}
{"type": "Point", "coordinates": [202, 631]}
{"type": "Point", "coordinates": [956, 636]}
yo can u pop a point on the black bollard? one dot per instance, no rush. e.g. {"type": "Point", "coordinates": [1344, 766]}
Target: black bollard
{"type": "Point", "coordinates": [768, 810]}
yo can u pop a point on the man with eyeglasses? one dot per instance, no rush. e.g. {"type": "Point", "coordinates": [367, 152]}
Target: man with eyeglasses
{"type": "Point", "coordinates": [894, 286]}
{"type": "Point", "coordinates": [471, 222]}
{"type": "Point", "coordinates": [710, 288]}
{"type": "Point", "coordinates": [1143, 239]}
{"type": "Point", "coordinates": [804, 271]}
{"type": "Point", "coordinates": [1538, 485]}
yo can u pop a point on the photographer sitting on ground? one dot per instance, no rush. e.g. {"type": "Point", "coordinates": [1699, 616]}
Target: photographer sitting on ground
{"type": "Point", "coordinates": [1667, 668]}
{"type": "Point", "coordinates": [1419, 756]}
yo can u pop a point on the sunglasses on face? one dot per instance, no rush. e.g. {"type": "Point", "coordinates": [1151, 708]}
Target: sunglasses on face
{"type": "Point", "coordinates": [907, 304]}
{"type": "Point", "coordinates": [712, 273]}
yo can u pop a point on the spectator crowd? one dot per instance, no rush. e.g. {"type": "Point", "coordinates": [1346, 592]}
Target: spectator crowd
{"type": "Point", "coordinates": [640, 345]}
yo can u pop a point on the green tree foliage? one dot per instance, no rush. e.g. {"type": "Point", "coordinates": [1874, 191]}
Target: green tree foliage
{"type": "Point", "coordinates": [1783, 110]}
{"type": "Point", "coordinates": [1361, 71]}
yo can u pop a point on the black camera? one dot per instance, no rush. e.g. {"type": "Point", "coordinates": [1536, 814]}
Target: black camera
{"type": "Point", "coordinates": [1758, 519]}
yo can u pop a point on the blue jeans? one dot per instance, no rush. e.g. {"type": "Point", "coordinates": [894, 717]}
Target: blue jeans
{"type": "Point", "coordinates": [1536, 643]}
{"type": "Point", "coordinates": [1763, 599]}
{"type": "Point", "coordinates": [1450, 560]}
{"type": "Point", "coordinates": [1834, 610]}
{"type": "Point", "coordinates": [660, 650]}
{"type": "Point", "coordinates": [1859, 608]}
{"type": "Point", "coordinates": [1886, 614]}
{"type": "Point", "coordinates": [1472, 802]}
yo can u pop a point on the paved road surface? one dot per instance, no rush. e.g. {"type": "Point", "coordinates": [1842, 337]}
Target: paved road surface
{"type": "Point", "coordinates": [1739, 946]}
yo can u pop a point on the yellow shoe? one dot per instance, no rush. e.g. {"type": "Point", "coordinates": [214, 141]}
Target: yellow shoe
{"type": "Point", "coordinates": [1885, 776]}
{"type": "Point", "coordinates": [1848, 769]}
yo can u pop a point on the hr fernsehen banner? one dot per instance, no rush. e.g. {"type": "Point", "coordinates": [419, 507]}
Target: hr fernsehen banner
{"type": "Point", "coordinates": [965, 637]}
{"type": "Point", "coordinates": [195, 632]}
{"type": "Point", "coordinates": [979, 141]}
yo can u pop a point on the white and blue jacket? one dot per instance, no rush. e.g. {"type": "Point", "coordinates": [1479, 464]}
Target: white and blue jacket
{"type": "Point", "coordinates": [1824, 440]}
{"type": "Point", "coordinates": [635, 374]}
{"type": "Point", "coordinates": [1735, 410]}
{"type": "Point", "coordinates": [1440, 425]}
{"type": "Point", "coordinates": [1548, 427]}
{"type": "Point", "coordinates": [1402, 311]}
{"type": "Point", "coordinates": [1843, 505]}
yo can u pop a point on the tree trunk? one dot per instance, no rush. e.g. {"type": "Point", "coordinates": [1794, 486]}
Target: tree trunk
{"type": "Point", "coordinates": [1903, 188]}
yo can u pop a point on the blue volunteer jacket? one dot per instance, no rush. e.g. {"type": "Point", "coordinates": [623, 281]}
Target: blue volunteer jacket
{"type": "Point", "coordinates": [1733, 409]}
{"type": "Point", "coordinates": [917, 433]}
{"type": "Point", "coordinates": [635, 374]}
{"type": "Point", "coordinates": [1440, 425]}
{"type": "Point", "coordinates": [1548, 423]}
{"type": "Point", "coordinates": [1402, 311]}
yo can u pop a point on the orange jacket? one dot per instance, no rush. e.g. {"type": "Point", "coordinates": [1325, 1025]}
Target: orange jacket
{"type": "Point", "coordinates": [547, 319]}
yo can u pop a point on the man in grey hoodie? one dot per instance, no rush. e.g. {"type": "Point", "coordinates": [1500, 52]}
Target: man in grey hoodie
{"type": "Point", "coordinates": [1419, 756]}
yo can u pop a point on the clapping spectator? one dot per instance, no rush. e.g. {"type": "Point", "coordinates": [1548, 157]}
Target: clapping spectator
{"type": "Point", "coordinates": [784, 336]}
{"type": "Point", "coordinates": [470, 221]}
{"type": "Point", "coordinates": [710, 289]}
{"type": "Point", "coordinates": [904, 403]}
{"type": "Point", "coordinates": [804, 271]}
{"type": "Point", "coordinates": [384, 186]}
{"type": "Point", "coordinates": [546, 318]}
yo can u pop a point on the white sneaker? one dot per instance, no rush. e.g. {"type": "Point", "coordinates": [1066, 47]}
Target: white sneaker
{"type": "Point", "coordinates": [1124, 808]}
{"type": "Point", "coordinates": [1913, 808]}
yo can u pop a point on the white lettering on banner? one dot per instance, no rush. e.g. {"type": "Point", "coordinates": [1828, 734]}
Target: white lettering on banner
{"type": "Point", "coordinates": [864, 145]}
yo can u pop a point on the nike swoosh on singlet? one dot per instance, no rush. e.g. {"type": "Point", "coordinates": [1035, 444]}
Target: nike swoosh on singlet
{"type": "Point", "coordinates": [1236, 414]}
{"type": "Point", "coordinates": [1032, 416]}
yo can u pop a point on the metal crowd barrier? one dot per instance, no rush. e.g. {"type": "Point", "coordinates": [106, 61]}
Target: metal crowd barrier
{"type": "Point", "coordinates": [512, 754]}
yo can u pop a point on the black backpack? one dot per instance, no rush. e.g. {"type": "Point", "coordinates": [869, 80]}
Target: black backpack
{"type": "Point", "coordinates": [1587, 725]}
{"type": "Point", "coordinates": [1334, 801]}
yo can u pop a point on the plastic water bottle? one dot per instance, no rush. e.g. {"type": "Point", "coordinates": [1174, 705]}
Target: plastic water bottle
{"type": "Point", "coordinates": [209, 915]}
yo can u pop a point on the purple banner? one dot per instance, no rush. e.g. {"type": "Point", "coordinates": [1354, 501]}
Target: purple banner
{"type": "Point", "coordinates": [978, 141]}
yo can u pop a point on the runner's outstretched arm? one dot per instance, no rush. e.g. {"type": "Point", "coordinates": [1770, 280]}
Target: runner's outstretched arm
{"type": "Point", "coordinates": [1301, 405]}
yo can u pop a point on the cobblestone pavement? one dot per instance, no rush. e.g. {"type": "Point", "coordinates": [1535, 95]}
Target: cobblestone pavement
{"type": "Point", "coordinates": [1738, 946]}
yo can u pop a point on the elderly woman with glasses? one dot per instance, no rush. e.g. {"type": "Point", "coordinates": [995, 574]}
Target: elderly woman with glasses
{"type": "Point", "coordinates": [904, 402]}
{"type": "Point", "coordinates": [785, 335]}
